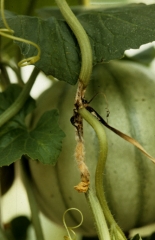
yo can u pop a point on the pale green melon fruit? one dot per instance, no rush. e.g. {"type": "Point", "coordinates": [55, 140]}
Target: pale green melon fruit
{"type": "Point", "coordinates": [129, 176]}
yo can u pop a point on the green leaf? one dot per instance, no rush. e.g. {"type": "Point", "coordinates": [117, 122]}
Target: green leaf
{"type": "Point", "coordinates": [144, 57]}
{"type": "Point", "coordinates": [59, 50]}
{"type": "Point", "coordinates": [43, 143]}
{"type": "Point", "coordinates": [46, 139]}
{"type": "Point", "coordinates": [111, 32]}
{"type": "Point", "coordinates": [6, 99]}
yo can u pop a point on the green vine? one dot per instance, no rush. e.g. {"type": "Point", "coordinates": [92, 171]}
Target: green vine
{"type": "Point", "coordinates": [115, 231]}
{"type": "Point", "coordinates": [70, 230]}
{"type": "Point", "coordinates": [21, 99]}
{"type": "Point", "coordinates": [83, 41]}
{"type": "Point", "coordinates": [27, 61]}
{"type": "Point", "coordinates": [84, 77]}
{"type": "Point", "coordinates": [7, 32]}
{"type": "Point", "coordinates": [99, 217]}
{"type": "Point", "coordinates": [18, 104]}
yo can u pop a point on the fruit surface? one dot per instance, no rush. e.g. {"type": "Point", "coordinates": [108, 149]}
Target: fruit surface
{"type": "Point", "coordinates": [129, 177]}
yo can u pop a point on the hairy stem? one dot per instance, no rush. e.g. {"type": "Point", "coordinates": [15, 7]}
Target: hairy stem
{"type": "Point", "coordinates": [83, 41]}
{"type": "Point", "coordinates": [21, 99]}
{"type": "Point", "coordinates": [100, 222]}
{"type": "Point", "coordinates": [115, 229]}
{"type": "Point", "coordinates": [98, 127]}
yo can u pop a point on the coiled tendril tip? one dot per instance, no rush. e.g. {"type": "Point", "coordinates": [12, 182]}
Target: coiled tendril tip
{"type": "Point", "coordinates": [70, 229]}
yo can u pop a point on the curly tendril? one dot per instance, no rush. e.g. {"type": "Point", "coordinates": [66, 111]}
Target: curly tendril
{"type": "Point", "coordinates": [70, 229]}
{"type": "Point", "coordinates": [7, 31]}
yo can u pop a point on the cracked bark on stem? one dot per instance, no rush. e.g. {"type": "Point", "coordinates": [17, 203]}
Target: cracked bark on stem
{"type": "Point", "coordinates": [21, 99]}
{"type": "Point", "coordinates": [80, 160]}
{"type": "Point", "coordinates": [84, 77]}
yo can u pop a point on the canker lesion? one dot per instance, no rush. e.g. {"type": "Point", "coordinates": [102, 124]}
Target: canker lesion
{"type": "Point", "coordinates": [85, 175]}
{"type": "Point", "coordinates": [77, 122]}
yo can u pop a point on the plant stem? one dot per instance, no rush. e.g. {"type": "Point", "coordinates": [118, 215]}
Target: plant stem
{"type": "Point", "coordinates": [98, 127]}
{"type": "Point", "coordinates": [100, 188]}
{"type": "Point", "coordinates": [100, 222]}
{"type": "Point", "coordinates": [21, 99]}
{"type": "Point", "coordinates": [83, 41]}
{"type": "Point", "coordinates": [99, 184]}
{"type": "Point", "coordinates": [32, 202]}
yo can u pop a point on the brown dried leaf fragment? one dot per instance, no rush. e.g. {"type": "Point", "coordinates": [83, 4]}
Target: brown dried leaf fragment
{"type": "Point", "coordinates": [119, 133]}
{"type": "Point", "coordinates": [82, 187]}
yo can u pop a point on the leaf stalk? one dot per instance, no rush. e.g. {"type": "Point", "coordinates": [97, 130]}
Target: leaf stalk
{"type": "Point", "coordinates": [21, 99]}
